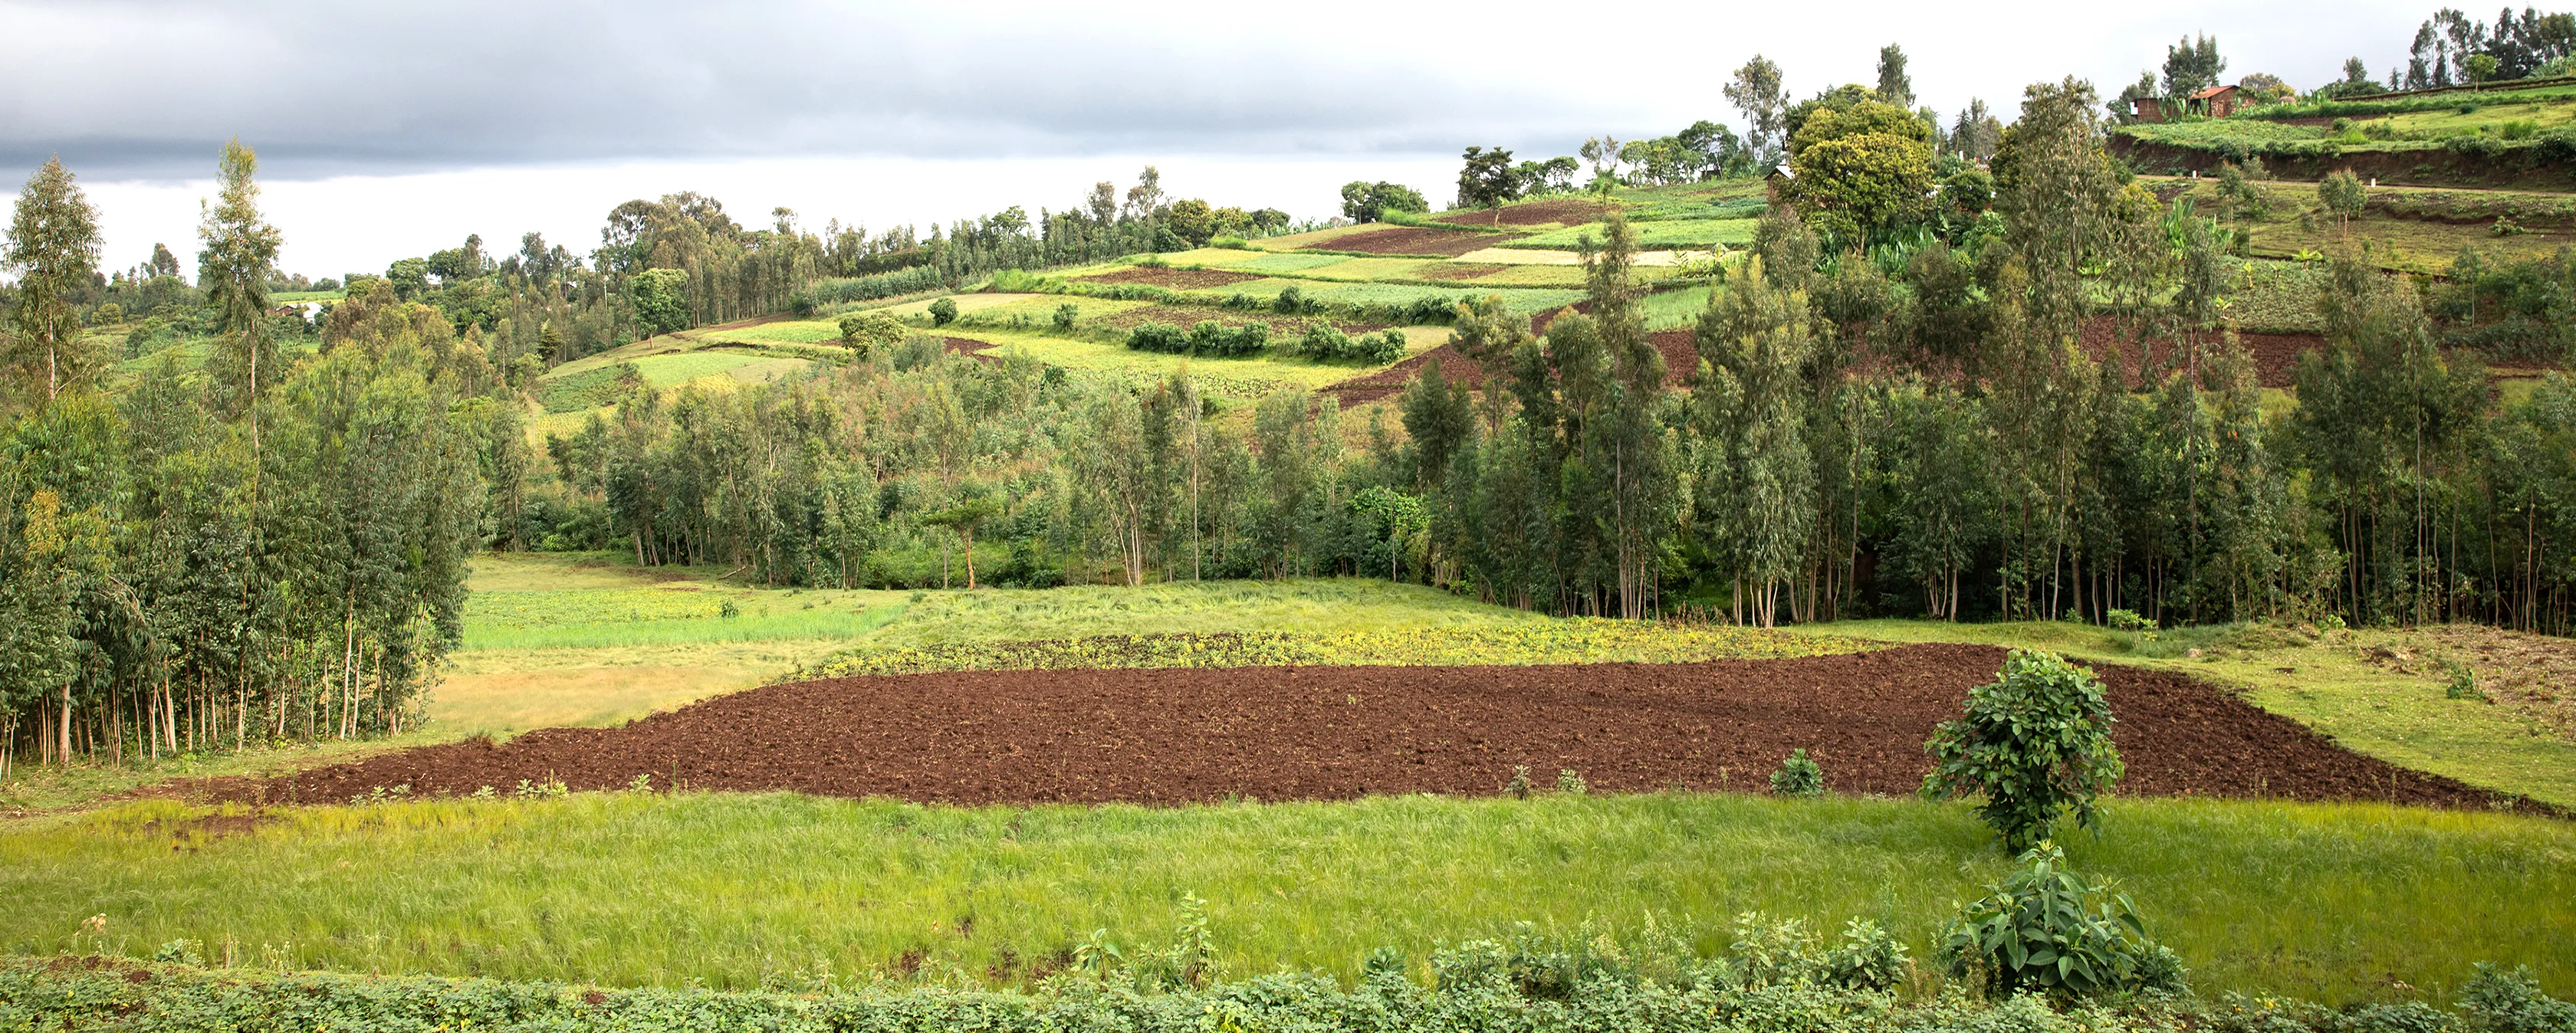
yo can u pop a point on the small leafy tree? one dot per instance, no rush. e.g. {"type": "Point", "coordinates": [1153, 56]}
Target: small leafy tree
{"type": "Point", "coordinates": [2044, 930]}
{"type": "Point", "coordinates": [1363, 201]}
{"type": "Point", "coordinates": [866, 332]}
{"type": "Point", "coordinates": [662, 299]}
{"type": "Point", "coordinates": [2343, 195]}
{"type": "Point", "coordinates": [1486, 180]}
{"type": "Point", "coordinates": [2035, 742]}
{"type": "Point", "coordinates": [943, 312]}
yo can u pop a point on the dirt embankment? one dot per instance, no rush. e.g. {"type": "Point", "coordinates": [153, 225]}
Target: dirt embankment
{"type": "Point", "coordinates": [1285, 733]}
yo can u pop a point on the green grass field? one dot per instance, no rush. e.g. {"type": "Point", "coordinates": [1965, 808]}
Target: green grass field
{"type": "Point", "coordinates": [2327, 902]}
{"type": "Point", "coordinates": [1674, 233]}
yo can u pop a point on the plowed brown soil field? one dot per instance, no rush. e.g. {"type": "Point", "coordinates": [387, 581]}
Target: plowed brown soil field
{"type": "Point", "coordinates": [1283, 733]}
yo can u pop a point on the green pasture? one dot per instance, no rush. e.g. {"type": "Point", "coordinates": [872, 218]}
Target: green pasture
{"type": "Point", "coordinates": [1518, 299]}
{"type": "Point", "coordinates": [1237, 378]}
{"type": "Point", "coordinates": [2322, 901]}
{"type": "Point", "coordinates": [1278, 264]}
{"type": "Point", "coordinates": [1672, 233]}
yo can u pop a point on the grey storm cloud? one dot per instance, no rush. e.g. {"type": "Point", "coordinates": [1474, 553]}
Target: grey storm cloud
{"type": "Point", "coordinates": [148, 88]}
{"type": "Point", "coordinates": [141, 89]}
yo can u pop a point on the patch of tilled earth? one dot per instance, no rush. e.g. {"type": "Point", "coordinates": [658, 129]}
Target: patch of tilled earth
{"type": "Point", "coordinates": [1278, 733]}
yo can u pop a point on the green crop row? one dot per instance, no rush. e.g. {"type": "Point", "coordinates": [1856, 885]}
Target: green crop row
{"type": "Point", "coordinates": [1574, 641]}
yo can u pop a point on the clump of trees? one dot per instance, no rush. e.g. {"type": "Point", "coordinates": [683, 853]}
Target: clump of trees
{"type": "Point", "coordinates": [250, 551]}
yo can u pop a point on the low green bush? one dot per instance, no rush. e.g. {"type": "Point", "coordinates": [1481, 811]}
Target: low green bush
{"type": "Point", "coordinates": [2044, 930]}
{"type": "Point", "coordinates": [1798, 776]}
{"type": "Point", "coordinates": [1325, 343]}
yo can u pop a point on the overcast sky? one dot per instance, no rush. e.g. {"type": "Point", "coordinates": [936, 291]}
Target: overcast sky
{"type": "Point", "coordinates": [387, 130]}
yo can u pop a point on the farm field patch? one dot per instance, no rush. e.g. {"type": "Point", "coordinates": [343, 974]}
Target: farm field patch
{"type": "Point", "coordinates": [1412, 240]}
{"type": "Point", "coordinates": [2319, 900]}
{"type": "Point", "coordinates": [1167, 276]}
{"type": "Point", "coordinates": [1675, 233]}
{"type": "Point", "coordinates": [1242, 379]}
{"type": "Point", "coordinates": [1168, 735]}
{"type": "Point", "coordinates": [1551, 212]}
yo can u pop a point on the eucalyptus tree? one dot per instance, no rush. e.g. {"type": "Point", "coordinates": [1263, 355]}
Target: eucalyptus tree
{"type": "Point", "coordinates": [53, 247]}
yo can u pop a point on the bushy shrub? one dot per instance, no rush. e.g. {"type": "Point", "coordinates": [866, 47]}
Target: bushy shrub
{"type": "Point", "coordinates": [2043, 930]}
{"type": "Point", "coordinates": [1065, 314]}
{"type": "Point", "coordinates": [1210, 337]}
{"type": "Point", "coordinates": [2556, 147]}
{"type": "Point", "coordinates": [943, 312]}
{"type": "Point", "coordinates": [1324, 342]}
{"type": "Point", "coordinates": [2035, 742]}
{"type": "Point", "coordinates": [1290, 301]}
{"type": "Point", "coordinates": [865, 332]}
{"type": "Point", "coordinates": [2497, 1001]}
{"type": "Point", "coordinates": [2473, 146]}
{"type": "Point", "coordinates": [1430, 310]}
{"type": "Point", "coordinates": [1798, 776]}
{"type": "Point", "coordinates": [1157, 337]}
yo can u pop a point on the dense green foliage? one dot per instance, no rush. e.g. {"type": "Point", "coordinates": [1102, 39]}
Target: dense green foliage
{"type": "Point", "coordinates": [2035, 743]}
{"type": "Point", "coordinates": [2043, 930]}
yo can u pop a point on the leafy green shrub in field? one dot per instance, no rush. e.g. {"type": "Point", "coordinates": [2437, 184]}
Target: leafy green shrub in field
{"type": "Point", "coordinates": [1570, 782]}
{"type": "Point", "coordinates": [2474, 146]}
{"type": "Point", "coordinates": [2128, 620]}
{"type": "Point", "coordinates": [1065, 314]}
{"type": "Point", "coordinates": [943, 312]}
{"type": "Point", "coordinates": [2043, 930]}
{"type": "Point", "coordinates": [1325, 343]}
{"type": "Point", "coordinates": [1158, 337]}
{"type": "Point", "coordinates": [1798, 776]}
{"type": "Point", "coordinates": [2463, 681]}
{"type": "Point", "coordinates": [1291, 301]}
{"type": "Point", "coordinates": [865, 332]}
{"type": "Point", "coordinates": [2035, 742]}
{"type": "Point", "coordinates": [2496, 1001]}
{"type": "Point", "coordinates": [1431, 310]}
{"type": "Point", "coordinates": [1210, 337]}
{"type": "Point", "coordinates": [2557, 146]}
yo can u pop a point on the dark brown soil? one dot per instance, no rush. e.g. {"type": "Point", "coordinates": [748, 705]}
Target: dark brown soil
{"type": "Point", "coordinates": [1413, 240]}
{"type": "Point", "coordinates": [1681, 357]}
{"type": "Point", "coordinates": [1178, 279]}
{"type": "Point", "coordinates": [1285, 733]}
{"type": "Point", "coordinates": [2276, 356]}
{"type": "Point", "coordinates": [1536, 213]}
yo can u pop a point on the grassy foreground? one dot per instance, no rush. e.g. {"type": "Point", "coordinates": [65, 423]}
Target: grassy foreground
{"type": "Point", "coordinates": [2318, 901]}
